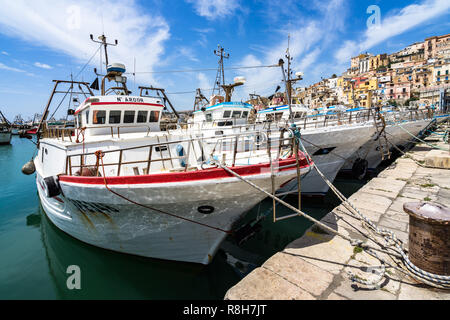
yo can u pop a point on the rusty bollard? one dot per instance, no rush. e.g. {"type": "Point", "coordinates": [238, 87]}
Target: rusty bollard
{"type": "Point", "coordinates": [429, 236]}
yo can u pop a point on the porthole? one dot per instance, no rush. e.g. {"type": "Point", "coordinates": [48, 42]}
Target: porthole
{"type": "Point", "coordinates": [205, 209]}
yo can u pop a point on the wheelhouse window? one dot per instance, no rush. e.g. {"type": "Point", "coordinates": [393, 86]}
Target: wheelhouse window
{"type": "Point", "coordinates": [226, 113]}
{"type": "Point", "coordinates": [114, 116]}
{"type": "Point", "coordinates": [99, 117]}
{"type": "Point", "coordinates": [244, 114]}
{"type": "Point", "coordinates": [128, 117]}
{"type": "Point", "coordinates": [154, 116]}
{"type": "Point", "coordinates": [278, 116]}
{"type": "Point", "coordinates": [142, 116]}
{"type": "Point", "coordinates": [236, 114]}
{"type": "Point", "coordinates": [208, 117]}
{"type": "Point", "coordinates": [87, 117]}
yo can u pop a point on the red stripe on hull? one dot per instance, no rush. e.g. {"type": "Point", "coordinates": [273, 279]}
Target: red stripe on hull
{"type": "Point", "coordinates": [207, 174]}
{"type": "Point", "coordinates": [139, 103]}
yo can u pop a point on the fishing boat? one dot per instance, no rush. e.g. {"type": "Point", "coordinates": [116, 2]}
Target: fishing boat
{"type": "Point", "coordinates": [117, 182]}
{"type": "Point", "coordinates": [399, 129]}
{"type": "Point", "coordinates": [331, 138]}
{"type": "Point", "coordinates": [5, 130]}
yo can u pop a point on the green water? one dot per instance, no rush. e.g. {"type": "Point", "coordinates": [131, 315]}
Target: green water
{"type": "Point", "coordinates": [34, 254]}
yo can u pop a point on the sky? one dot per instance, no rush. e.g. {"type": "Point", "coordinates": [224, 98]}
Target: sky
{"type": "Point", "coordinates": [45, 40]}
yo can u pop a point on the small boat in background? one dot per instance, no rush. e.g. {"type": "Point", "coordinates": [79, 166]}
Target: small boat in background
{"type": "Point", "coordinates": [5, 130]}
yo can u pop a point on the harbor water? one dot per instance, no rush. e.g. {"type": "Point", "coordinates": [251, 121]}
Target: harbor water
{"type": "Point", "coordinates": [35, 255]}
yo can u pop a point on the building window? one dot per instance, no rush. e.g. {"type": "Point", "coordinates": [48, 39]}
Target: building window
{"type": "Point", "coordinates": [142, 116]}
{"type": "Point", "coordinates": [99, 117]}
{"type": "Point", "coordinates": [128, 117]}
{"type": "Point", "coordinates": [154, 116]}
{"type": "Point", "coordinates": [114, 116]}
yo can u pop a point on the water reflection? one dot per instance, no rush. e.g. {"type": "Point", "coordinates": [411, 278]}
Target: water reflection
{"type": "Point", "coordinates": [110, 275]}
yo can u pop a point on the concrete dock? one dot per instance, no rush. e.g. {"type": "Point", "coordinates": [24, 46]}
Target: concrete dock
{"type": "Point", "coordinates": [317, 265]}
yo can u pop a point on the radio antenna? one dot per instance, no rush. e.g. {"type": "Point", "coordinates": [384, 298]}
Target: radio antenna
{"type": "Point", "coordinates": [102, 41]}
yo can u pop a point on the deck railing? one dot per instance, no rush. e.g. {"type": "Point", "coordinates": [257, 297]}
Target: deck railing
{"type": "Point", "coordinates": [182, 154]}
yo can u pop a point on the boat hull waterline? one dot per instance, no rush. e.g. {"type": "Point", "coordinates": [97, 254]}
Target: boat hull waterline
{"type": "Point", "coordinates": [89, 212]}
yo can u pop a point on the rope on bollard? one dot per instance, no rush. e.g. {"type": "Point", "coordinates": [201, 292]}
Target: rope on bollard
{"type": "Point", "coordinates": [391, 241]}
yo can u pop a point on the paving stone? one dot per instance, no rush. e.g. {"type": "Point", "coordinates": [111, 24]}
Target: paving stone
{"type": "Point", "coordinates": [326, 252]}
{"type": "Point", "coordinates": [303, 274]}
{"type": "Point", "coordinates": [263, 284]}
{"type": "Point", "coordinates": [438, 159]}
{"type": "Point", "coordinates": [392, 224]}
{"type": "Point", "coordinates": [334, 296]}
{"type": "Point", "coordinates": [387, 187]}
{"type": "Point", "coordinates": [399, 171]}
{"type": "Point", "coordinates": [397, 216]}
{"type": "Point", "coordinates": [410, 291]}
{"type": "Point", "coordinates": [364, 200]}
{"type": "Point", "coordinates": [397, 204]}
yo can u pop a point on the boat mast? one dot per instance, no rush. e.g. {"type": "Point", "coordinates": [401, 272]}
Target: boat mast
{"type": "Point", "coordinates": [109, 75]}
{"type": "Point", "coordinates": [220, 76]}
{"type": "Point", "coordinates": [200, 100]}
{"type": "Point", "coordinates": [288, 82]}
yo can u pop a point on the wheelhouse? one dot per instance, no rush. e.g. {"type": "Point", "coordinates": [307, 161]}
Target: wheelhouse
{"type": "Point", "coordinates": [100, 115]}
{"type": "Point", "coordinates": [223, 114]}
{"type": "Point", "coordinates": [281, 113]}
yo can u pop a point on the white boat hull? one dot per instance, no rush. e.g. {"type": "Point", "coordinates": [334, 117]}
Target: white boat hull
{"type": "Point", "coordinates": [342, 142]}
{"type": "Point", "coordinates": [5, 137]}
{"type": "Point", "coordinates": [92, 214]}
{"type": "Point", "coordinates": [395, 135]}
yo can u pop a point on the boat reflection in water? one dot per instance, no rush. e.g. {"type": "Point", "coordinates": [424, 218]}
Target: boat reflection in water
{"type": "Point", "coordinates": [110, 275]}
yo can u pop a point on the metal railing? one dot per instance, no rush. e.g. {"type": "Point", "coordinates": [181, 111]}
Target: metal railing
{"type": "Point", "coordinates": [182, 154]}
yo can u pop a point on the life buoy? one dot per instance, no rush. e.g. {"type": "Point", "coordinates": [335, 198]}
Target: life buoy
{"type": "Point", "coordinates": [51, 186]}
{"type": "Point", "coordinates": [359, 168]}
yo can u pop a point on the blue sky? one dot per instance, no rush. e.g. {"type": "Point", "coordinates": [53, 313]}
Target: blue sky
{"type": "Point", "coordinates": [45, 40]}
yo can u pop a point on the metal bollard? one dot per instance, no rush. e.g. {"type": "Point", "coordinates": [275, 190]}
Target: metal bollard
{"type": "Point", "coordinates": [429, 236]}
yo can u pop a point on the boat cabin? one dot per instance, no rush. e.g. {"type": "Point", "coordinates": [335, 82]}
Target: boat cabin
{"type": "Point", "coordinates": [109, 115]}
{"type": "Point", "coordinates": [281, 113]}
{"type": "Point", "coordinates": [223, 114]}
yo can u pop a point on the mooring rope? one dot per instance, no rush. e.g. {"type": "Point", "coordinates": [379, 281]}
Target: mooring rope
{"type": "Point", "coordinates": [391, 240]}
{"type": "Point", "coordinates": [99, 154]}
{"type": "Point", "coordinates": [427, 143]}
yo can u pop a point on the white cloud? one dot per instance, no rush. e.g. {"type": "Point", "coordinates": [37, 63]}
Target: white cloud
{"type": "Point", "coordinates": [42, 65]}
{"type": "Point", "coordinates": [5, 53]}
{"type": "Point", "coordinates": [309, 38]}
{"type": "Point", "coordinates": [212, 9]}
{"type": "Point", "coordinates": [65, 27]}
{"type": "Point", "coordinates": [392, 25]}
{"type": "Point", "coordinates": [187, 53]}
{"type": "Point", "coordinates": [203, 81]}
{"type": "Point", "coordinates": [5, 67]}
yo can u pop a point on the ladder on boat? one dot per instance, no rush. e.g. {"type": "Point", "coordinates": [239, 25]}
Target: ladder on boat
{"type": "Point", "coordinates": [380, 127]}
